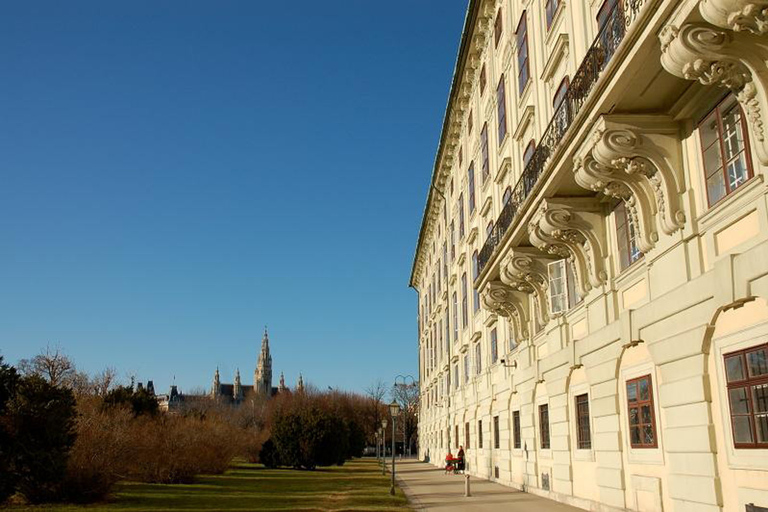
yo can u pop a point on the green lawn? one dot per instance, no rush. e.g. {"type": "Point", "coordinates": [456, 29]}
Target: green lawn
{"type": "Point", "coordinates": [358, 485]}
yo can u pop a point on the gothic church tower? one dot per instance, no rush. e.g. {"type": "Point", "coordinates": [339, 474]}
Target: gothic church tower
{"type": "Point", "coordinates": [262, 377]}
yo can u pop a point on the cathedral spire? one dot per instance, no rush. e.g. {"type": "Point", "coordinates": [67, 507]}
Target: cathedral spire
{"type": "Point", "coordinates": [300, 384]}
{"type": "Point", "coordinates": [262, 377]}
{"type": "Point", "coordinates": [216, 383]}
{"type": "Point", "coordinates": [282, 387]}
{"type": "Point", "coordinates": [237, 392]}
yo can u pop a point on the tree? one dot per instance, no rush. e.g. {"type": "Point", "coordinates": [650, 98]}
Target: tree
{"type": "Point", "coordinates": [51, 365]}
{"type": "Point", "coordinates": [407, 395]}
{"type": "Point", "coordinates": [9, 381]}
{"type": "Point", "coordinates": [375, 407]}
{"type": "Point", "coordinates": [42, 426]}
{"type": "Point", "coordinates": [140, 401]}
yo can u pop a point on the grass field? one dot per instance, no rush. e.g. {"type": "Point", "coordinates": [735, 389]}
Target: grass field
{"type": "Point", "coordinates": [358, 485]}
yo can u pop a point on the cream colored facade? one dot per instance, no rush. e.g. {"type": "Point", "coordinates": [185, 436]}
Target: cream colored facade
{"type": "Point", "coordinates": [605, 255]}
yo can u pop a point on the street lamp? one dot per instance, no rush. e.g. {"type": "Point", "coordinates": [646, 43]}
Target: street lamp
{"type": "Point", "coordinates": [394, 410]}
{"type": "Point", "coordinates": [384, 446]}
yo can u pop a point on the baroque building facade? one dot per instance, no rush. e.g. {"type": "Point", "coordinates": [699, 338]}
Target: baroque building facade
{"type": "Point", "coordinates": [592, 265]}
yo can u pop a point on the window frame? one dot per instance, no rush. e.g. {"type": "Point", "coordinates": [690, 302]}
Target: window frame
{"type": "Point", "coordinates": [747, 382]}
{"type": "Point", "coordinates": [475, 293]}
{"type": "Point", "coordinates": [471, 188]}
{"type": "Point", "coordinates": [507, 197]}
{"type": "Point", "coordinates": [464, 303]}
{"type": "Point", "coordinates": [466, 435]}
{"type": "Point", "coordinates": [562, 89]}
{"type": "Point", "coordinates": [501, 109]}
{"type": "Point", "coordinates": [583, 426]}
{"type": "Point", "coordinates": [483, 80]}
{"type": "Point", "coordinates": [516, 441]}
{"type": "Point", "coordinates": [479, 434]}
{"type": "Point", "coordinates": [498, 28]}
{"type": "Point", "coordinates": [626, 242]}
{"type": "Point", "coordinates": [550, 10]}
{"type": "Point", "coordinates": [530, 150]}
{"type": "Point", "coordinates": [485, 153]}
{"type": "Point", "coordinates": [523, 66]}
{"type": "Point", "coordinates": [544, 434]}
{"type": "Point", "coordinates": [638, 404]}
{"type": "Point", "coordinates": [494, 346]}
{"type": "Point", "coordinates": [747, 150]}
{"type": "Point", "coordinates": [496, 436]}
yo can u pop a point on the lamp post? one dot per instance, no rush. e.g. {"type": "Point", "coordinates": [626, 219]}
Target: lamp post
{"type": "Point", "coordinates": [394, 410]}
{"type": "Point", "coordinates": [408, 404]}
{"type": "Point", "coordinates": [384, 446]}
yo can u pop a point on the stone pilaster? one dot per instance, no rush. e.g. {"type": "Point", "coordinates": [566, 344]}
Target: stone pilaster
{"type": "Point", "coordinates": [557, 390]}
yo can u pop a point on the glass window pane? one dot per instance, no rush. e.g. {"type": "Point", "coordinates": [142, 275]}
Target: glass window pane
{"type": "Point", "coordinates": [634, 433]}
{"type": "Point", "coordinates": [631, 392]}
{"type": "Point", "coordinates": [739, 400]}
{"type": "Point", "coordinates": [757, 362]}
{"type": "Point", "coordinates": [644, 389]}
{"type": "Point", "coordinates": [715, 187]}
{"type": "Point", "coordinates": [645, 415]}
{"type": "Point", "coordinates": [734, 368]}
{"type": "Point", "coordinates": [712, 159]}
{"type": "Point", "coordinates": [634, 418]}
{"type": "Point", "coordinates": [648, 435]}
{"type": "Point", "coordinates": [737, 171]}
{"type": "Point", "coordinates": [760, 398]}
{"type": "Point", "coordinates": [742, 429]}
{"type": "Point", "coordinates": [709, 132]}
{"type": "Point", "coordinates": [761, 425]}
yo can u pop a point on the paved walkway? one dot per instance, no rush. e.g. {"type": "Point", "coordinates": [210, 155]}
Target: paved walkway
{"type": "Point", "coordinates": [429, 488]}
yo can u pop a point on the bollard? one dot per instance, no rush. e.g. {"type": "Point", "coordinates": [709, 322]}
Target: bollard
{"type": "Point", "coordinates": [466, 486]}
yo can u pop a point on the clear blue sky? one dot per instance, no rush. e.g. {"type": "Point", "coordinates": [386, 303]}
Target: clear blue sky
{"type": "Point", "coordinates": [176, 174]}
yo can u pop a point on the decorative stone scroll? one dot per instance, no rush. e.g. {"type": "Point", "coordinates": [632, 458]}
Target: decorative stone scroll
{"type": "Point", "coordinates": [738, 15]}
{"type": "Point", "coordinates": [735, 60]}
{"type": "Point", "coordinates": [636, 158]}
{"type": "Point", "coordinates": [572, 228]}
{"type": "Point", "coordinates": [525, 270]}
{"type": "Point", "coordinates": [507, 302]}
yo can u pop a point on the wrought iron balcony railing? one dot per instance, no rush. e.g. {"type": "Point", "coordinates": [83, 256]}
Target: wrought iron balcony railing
{"type": "Point", "coordinates": [599, 54]}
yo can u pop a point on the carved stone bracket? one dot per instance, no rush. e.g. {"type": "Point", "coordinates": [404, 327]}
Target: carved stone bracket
{"type": "Point", "coordinates": [738, 15]}
{"type": "Point", "coordinates": [525, 270]}
{"type": "Point", "coordinates": [735, 60]}
{"type": "Point", "coordinates": [505, 301]}
{"type": "Point", "coordinates": [572, 228]}
{"type": "Point", "coordinates": [637, 159]}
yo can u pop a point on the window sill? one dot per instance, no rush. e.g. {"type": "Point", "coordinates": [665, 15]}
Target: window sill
{"type": "Point", "coordinates": [745, 193]}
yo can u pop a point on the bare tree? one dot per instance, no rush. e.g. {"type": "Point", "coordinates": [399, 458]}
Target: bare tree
{"type": "Point", "coordinates": [104, 381]}
{"type": "Point", "coordinates": [52, 365]}
{"type": "Point", "coordinates": [375, 393]}
{"type": "Point", "coordinates": [407, 395]}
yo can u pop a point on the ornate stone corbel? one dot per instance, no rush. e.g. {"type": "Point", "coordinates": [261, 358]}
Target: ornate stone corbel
{"type": "Point", "coordinates": [735, 60]}
{"type": "Point", "coordinates": [738, 15]}
{"type": "Point", "coordinates": [636, 159]}
{"type": "Point", "coordinates": [507, 302]}
{"type": "Point", "coordinates": [524, 270]}
{"type": "Point", "coordinates": [572, 228]}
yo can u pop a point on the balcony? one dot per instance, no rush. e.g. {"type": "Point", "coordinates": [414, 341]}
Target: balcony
{"type": "Point", "coordinates": [610, 36]}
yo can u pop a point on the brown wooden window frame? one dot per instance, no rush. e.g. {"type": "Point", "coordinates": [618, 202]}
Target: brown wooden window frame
{"type": "Point", "coordinates": [583, 430]}
{"type": "Point", "coordinates": [516, 441]}
{"type": "Point", "coordinates": [746, 150]}
{"type": "Point", "coordinates": [629, 253]}
{"type": "Point", "coordinates": [544, 426]}
{"type": "Point", "coordinates": [479, 433]}
{"type": "Point", "coordinates": [530, 149]}
{"type": "Point", "coordinates": [523, 56]}
{"type": "Point", "coordinates": [496, 440]}
{"type": "Point", "coordinates": [466, 436]}
{"type": "Point", "coordinates": [561, 94]}
{"type": "Point", "coordinates": [486, 168]}
{"type": "Point", "coordinates": [638, 404]}
{"type": "Point", "coordinates": [747, 382]}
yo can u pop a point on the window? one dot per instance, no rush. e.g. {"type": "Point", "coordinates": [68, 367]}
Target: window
{"type": "Point", "coordinates": [495, 431]}
{"type": "Point", "coordinates": [528, 155]}
{"type": "Point", "coordinates": [469, 123]}
{"type": "Point", "coordinates": [523, 73]}
{"type": "Point", "coordinates": [562, 287]}
{"type": "Point", "coordinates": [498, 28]}
{"type": "Point", "coordinates": [480, 433]}
{"type": "Point", "coordinates": [445, 263]}
{"type": "Point", "coordinates": [511, 335]}
{"type": "Point", "coordinates": [466, 368]}
{"type": "Point", "coordinates": [484, 149]}
{"type": "Point", "coordinates": [561, 93]}
{"type": "Point", "coordinates": [746, 373]}
{"type": "Point", "coordinates": [626, 236]}
{"type": "Point", "coordinates": [494, 346]}
{"type": "Point", "coordinates": [551, 8]}
{"type": "Point", "coordinates": [604, 14]}
{"type": "Point", "coordinates": [501, 109]}
{"type": "Point", "coordinates": [642, 422]}
{"type": "Point", "coordinates": [584, 435]}
{"type": "Point", "coordinates": [507, 196]}
{"type": "Point", "coordinates": [461, 156]}
{"type": "Point", "coordinates": [456, 378]}
{"type": "Point", "coordinates": [483, 80]}
{"type": "Point", "coordinates": [461, 215]}
{"type": "Point", "coordinates": [455, 318]}
{"type": "Point", "coordinates": [489, 229]}
{"type": "Point", "coordinates": [453, 240]}
{"type": "Point", "coordinates": [471, 186]}
{"type": "Point", "coordinates": [516, 429]}
{"type": "Point", "coordinates": [725, 146]}
{"type": "Point", "coordinates": [464, 309]}
{"type": "Point", "coordinates": [475, 293]}
{"type": "Point", "coordinates": [478, 358]}
{"type": "Point", "coordinates": [544, 426]}
{"type": "Point", "coordinates": [466, 435]}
